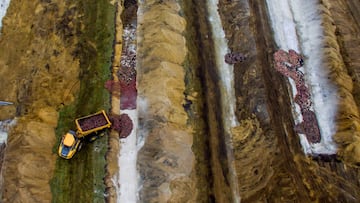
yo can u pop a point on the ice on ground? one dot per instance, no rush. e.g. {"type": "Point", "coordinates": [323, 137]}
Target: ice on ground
{"type": "Point", "coordinates": [4, 128]}
{"type": "Point", "coordinates": [226, 71]}
{"type": "Point", "coordinates": [4, 4]}
{"type": "Point", "coordinates": [127, 179]}
{"type": "Point", "coordinates": [297, 25]}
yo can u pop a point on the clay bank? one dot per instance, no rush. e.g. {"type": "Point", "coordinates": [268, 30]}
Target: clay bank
{"type": "Point", "coordinates": [217, 101]}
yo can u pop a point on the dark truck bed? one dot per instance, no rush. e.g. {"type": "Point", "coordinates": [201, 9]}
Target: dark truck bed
{"type": "Point", "coordinates": [92, 123]}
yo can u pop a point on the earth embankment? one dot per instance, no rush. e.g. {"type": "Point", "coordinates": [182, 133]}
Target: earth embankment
{"type": "Point", "coordinates": [54, 62]}
{"type": "Point", "coordinates": [36, 66]}
{"type": "Point", "coordinates": [57, 56]}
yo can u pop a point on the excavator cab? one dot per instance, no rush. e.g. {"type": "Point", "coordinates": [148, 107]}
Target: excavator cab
{"type": "Point", "coordinates": [69, 145]}
{"type": "Point", "coordinates": [69, 140]}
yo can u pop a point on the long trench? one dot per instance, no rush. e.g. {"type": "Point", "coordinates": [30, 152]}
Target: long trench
{"type": "Point", "coordinates": [203, 50]}
{"type": "Point", "coordinates": [210, 147]}
{"type": "Point", "coordinates": [273, 170]}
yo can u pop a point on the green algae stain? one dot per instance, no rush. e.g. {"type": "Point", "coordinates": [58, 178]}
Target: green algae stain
{"type": "Point", "coordinates": [81, 178]}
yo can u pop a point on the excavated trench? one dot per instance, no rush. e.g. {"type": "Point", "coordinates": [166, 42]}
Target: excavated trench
{"type": "Point", "coordinates": [282, 172]}
{"type": "Point", "coordinates": [201, 99]}
{"type": "Point", "coordinates": [210, 148]}
{"type": "Point", "coordinates": [259, 91]}
{"type": "Point", "coordinates": [182, 142]}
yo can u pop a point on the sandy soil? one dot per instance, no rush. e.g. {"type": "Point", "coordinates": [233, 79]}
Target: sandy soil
{"type": "Point", "coordinates": [184, 155]}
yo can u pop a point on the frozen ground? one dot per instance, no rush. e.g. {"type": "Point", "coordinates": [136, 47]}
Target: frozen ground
{"type": "Point", "coordinates": [127, 162]}
{"type": "Point", "coordinates": [4, 4]}
{"type": "Point", "coordinates": [297, 25]}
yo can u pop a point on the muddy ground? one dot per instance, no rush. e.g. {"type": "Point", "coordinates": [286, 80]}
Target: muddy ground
{"type": "Point", "coordinates": [56, 56]}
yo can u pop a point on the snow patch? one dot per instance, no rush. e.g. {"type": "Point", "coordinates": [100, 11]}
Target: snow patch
{"type": "Point", "coordinates": [225, 70]}
{"type": "Point", "coordinates": [4, 129]}
{"type": "Point", "coordinates": [4, 4]}
{"type": "Point", "coordinates": [127, 180]}
{"type": "Point", "coordinates": [297, 26]}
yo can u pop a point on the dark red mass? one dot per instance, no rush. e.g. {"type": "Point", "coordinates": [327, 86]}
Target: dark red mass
{"type": "Point", "coordinates": [92, 122]}
{"type": "Point", "coordinates": [128, 94]}
{"type": "Point", "coordinates": [126, 86]}
{"type": "Point", "coordinates": [122, 124]}
{"type": "Point", "coordinates": [288, 65]}
{"type": "Point", "coordinates": [111, 86]}
{"type": "Point", "coordinates": [310, 126]}
{"type": "Point", "coordinates": [127, 79]}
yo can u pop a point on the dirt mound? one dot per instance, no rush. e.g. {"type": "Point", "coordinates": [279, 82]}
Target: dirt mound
{"type": "Point", "coordinates": [122, 124]}
{"type": "Point", "coordinates": [39, 75]}
{"type": "Point", "coordinates": [166, 160]}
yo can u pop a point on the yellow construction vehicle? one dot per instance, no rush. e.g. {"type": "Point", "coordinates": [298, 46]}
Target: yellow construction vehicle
{"type": "Point", "coordinates": [87, 129]}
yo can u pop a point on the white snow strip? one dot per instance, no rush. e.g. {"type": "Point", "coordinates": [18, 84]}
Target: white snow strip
{"type": "Point", "coordinates": [297, 26]}
{"type": "Point", "coordinates": [226, 82]}
{"type": "Point", "coordinates": [127, 163]}
{"type": "Point", "coordinates": [225, 70]}
{"type": "Point", "coordinates": [4, 4]}
{"type": "Point", "coordinates": [4, 128]}
{"type": "Point", "coordinates": [323, 93]}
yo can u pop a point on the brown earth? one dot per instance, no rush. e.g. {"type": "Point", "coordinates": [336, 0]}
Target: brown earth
{"type": "Point", "coordinates": [40, 71]}
{"type": "Point", "coordinates": [39, 75]}
{"type": "Point", "coordinates": [166, 161]}
{"type": "Point", "coordinates": [184, 156]}
{"type": "Point", "coordinates": [282, 173]}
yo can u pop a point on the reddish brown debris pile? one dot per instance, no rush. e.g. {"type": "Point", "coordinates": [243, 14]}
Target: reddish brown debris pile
{"type": "Point", "coordinates": [127, 71]}
{"type": "Point", "coordinates": [126, 86]}
{"type": "Point", "coordinates": [122, 124]}
{"type": "Point", "coordinates": [288, 64]}
{"type": "Point", "coordinates": [234, 57]}
{"type": "Point", "coordinates": [92, 122]}
{"type": "Point", "coordinates": [128, 91]}
{"type": "Point", "coordinates": [127, 78]}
